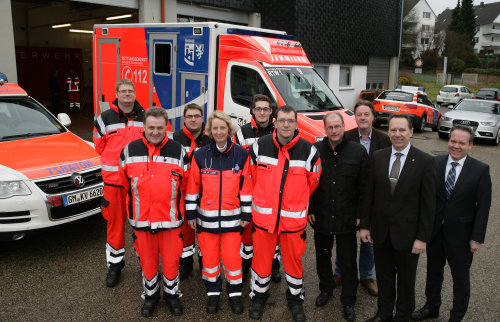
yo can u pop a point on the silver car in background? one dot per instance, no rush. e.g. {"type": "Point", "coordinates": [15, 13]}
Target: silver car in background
{"type": "Point", "coordinates": [483, 116]}
{"type": "Point", "coordinates": [453, 94]}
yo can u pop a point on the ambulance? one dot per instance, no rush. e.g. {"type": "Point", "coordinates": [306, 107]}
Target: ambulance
{"type": "Point", "coordinates": [48, 175]}
{"type": "Point", "coordinates": [218, 66]}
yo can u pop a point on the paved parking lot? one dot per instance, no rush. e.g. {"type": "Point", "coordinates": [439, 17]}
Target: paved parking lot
{"type": "Point", "coordinates": [59, 274]}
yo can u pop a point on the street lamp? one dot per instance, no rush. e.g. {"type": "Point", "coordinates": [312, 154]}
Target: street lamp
{"type": "Point", "coordinates": [488, 55]}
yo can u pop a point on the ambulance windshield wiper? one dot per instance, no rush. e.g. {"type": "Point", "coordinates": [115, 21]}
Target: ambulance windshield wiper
{"type": "Point", "coordinates": [27, 135]}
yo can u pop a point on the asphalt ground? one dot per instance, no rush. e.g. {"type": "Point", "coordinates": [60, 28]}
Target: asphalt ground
{"type": "Point", "coordinates": [58, 275]}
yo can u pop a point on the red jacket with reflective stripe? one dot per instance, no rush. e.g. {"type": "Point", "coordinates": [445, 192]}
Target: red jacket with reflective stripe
{"type": "Point", "coordinates": [284, 178]}
{"type": "Point", "coordinates": [219, 189]}
{"type": "Point", "coordinates": [112, 131]}
{"type": "Point", "coordinates": [152, 176]}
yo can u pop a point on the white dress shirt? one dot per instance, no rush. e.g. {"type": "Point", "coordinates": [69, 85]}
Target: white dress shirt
{"type": "Point", "coordinates": [458, 168]}
{"type": "Point", "coordinates": [402, 158]}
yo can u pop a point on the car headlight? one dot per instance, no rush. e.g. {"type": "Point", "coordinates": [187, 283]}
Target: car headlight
{"type": "Point", "coordinates": [447, 118]}
{"type": "Point", "coordinates": [13, 188]}
{"type": "Point", "coordinates": [488, 123]}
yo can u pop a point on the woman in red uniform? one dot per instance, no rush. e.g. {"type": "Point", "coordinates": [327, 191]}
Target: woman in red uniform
{"type": "Point", "coordinates": [218, 203]}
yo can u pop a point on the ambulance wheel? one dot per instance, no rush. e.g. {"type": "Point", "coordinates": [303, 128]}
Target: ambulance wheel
{"type": "Point", "coordinates": [421, 125]}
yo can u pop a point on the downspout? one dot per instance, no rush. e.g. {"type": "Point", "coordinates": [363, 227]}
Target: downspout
{"type": "Point", "coordinates": [400, 40]}
{"type": "Point", "coordinates": [162, 10]}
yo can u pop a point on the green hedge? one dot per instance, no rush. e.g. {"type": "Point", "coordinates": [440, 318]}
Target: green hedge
{"type": "Point", "coordinates": [491, 71]}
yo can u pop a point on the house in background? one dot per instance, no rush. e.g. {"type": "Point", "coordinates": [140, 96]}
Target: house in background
{"type": "Point", "coordinates": [487, 35]}
{"type": "Point", "coordinates": [418, 28]}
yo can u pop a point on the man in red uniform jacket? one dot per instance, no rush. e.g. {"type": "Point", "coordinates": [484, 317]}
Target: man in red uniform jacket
{"type": "Point", "coordinates": [151, 171]}
{"type": "Point", "coordinates": [113, 129]}
{"type": "Point", "coordinates": [286, 170]}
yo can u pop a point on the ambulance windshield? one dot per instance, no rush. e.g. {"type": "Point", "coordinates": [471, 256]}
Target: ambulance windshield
{"type": "Point", "coordinates": [22, 117]}
{"type": "Point", "coordinates": [303, 89]}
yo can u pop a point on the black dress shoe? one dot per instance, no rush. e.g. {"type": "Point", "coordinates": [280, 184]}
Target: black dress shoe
{"type": "Point", "coordinates": [148, 308]}
{"type": "Point", "coordinates": [213, 304]}
{"type": "Point", "coordinates": [322, 299]}
{"type": "Point", "coordinates": [298, 313]}
{"type": "Point", "coordinates": [185, 268]}
{"type": "Point", "coordinates": [112, 278]}
{"type": "Point", "coordinates": [256, 309]}
{"type": "Point", "coordinates": [349, 313]}
{"type": "Point", "coordinates": [236, 304]}
{"type": "Point", "coordinates": [175, 306]}
{"type": "Point", "coordinates": [377, 318]}
{"type": "Point", "coordinates": [424, 313]}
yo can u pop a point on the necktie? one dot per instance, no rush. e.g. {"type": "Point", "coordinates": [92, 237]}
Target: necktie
{"type": "Point", "coordinates": [394, 174]}
{"type": "Point", "coordinates": [450, 179]}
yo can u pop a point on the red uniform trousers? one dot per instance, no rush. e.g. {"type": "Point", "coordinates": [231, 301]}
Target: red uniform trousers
{"type": "Point", "coordinates": [246, 251]}
{"type": "Point", "coordinates": [293, 246]}
{"type": "Point", "coordinates": [74, 99]}
{"type": "Point", "coordinates": [225, 246]}
{"type": "Point", "coordinates": [114, 211]}
{"type": "Point", "coordinates": [167, 244]}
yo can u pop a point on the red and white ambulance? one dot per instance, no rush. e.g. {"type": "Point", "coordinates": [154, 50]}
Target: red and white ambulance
{"type": "Point", "coordinates": [48, 175]}
{"type": "Point", "coordinates": [218, 66]}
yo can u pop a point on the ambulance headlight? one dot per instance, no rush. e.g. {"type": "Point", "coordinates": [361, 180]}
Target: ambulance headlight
{"type": "Point", "coordinates": [13, 188]}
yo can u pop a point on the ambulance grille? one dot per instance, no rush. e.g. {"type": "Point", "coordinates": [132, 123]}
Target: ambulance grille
{"type": "Point", "coordinates": [14, 217]}
{"type": "Point", "coordinates": [62, 212]}
{"type": "Point", "coordinates": [64, 184]}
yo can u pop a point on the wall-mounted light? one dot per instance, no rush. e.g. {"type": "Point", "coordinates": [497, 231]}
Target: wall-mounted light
{"type": "Point", "coordinates": [81, 31]}
{"type": "Point", "coordinates": [61, 26]}
{"type": "Point", "coordinates": [119, 17]}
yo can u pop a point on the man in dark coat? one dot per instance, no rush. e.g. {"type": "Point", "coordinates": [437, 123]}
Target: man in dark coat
{"type": "Point", "coordinates": [463, 199]}
{"type": "Point", "coordinates": [372, 140]}
{"type": "Point", "coordinates": [335, 209]}
{"type": "Point", "coordinates": [398, 214]}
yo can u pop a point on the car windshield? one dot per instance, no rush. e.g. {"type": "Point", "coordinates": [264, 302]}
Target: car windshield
{"type": "Point", "coordinates": [486, 93]}
{"type": "Point", "coordinates": [303, 89]}
{"type": "Point", "coordinates": [23, 117]}
{"type": "Point", "coordinates": [449, 89]}
{"type": "Point", "coordinates": [478, 106]}
{"type": "Point", "coordinates": [396, 96]}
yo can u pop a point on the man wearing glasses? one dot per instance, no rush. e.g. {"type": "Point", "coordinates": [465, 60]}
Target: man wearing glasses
{"type": "Point", "coordinates": [285, 170]}
{"type": "Point", "coordinates": [114, 129]}
{"type": "Point", "coordinates": [261, 124]}
{"type": "Point", "coordinates": [191, 137]}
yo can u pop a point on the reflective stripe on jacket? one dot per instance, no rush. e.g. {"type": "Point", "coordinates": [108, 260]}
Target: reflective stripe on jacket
{"type": "Point", "coordinates": [112, 131]}
{"type": "Point", "coordinates": [284, 178]}
{"type": "Point", "coordinates": [249, 133]}
{"type": "Point", "coordinates": [152, 176]}
{"type": "Point", "coordinates": [219, 189]}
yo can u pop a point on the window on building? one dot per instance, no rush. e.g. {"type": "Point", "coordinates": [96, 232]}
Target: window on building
{"type": "Point", "coordinates": [492, 38]}
{"type": "Point", "coordinates": [427, 15]}
{"type": "Point", "coordinates": [245, 83]}
{"type": "Point", "coordinates": [322, 71]}
{"type": "Point", "coordinates": [367, 86]}
{"type": "Point", "coordinates": [163, 58]}
{"type": "Point", "coordinates": [426, 28]}
{"type": "Point", "coordinates": [424, 41]}
{"type": "Point", "coordinates": [493, 27]}
{"type": "Point", "coordinates": [476, 40]}
{"type": "Point", "coordinates": [345, 76]}
{"type": "Point", "coordinates": [380, 85]}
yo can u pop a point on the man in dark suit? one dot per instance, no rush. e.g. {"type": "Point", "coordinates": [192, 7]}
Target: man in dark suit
{"type": "Point", "coordinates": [398, 215]}
{"type": "Point", "coordinates": [463, 198]}
{"type": "Point", "coordinates": [372, 140]}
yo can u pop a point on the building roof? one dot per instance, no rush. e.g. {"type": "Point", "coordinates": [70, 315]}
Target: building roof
{"type": "Point", "coordinates": [485, 14]}
{"type": "Point", "coordinates": [408, 5]}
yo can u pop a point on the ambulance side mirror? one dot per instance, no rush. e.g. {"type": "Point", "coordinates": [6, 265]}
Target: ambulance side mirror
{"type": "Point", "coordinates": [64, 119]}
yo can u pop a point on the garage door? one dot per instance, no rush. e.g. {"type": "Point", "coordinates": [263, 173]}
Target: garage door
{"type": "Point", "coordinates": [377, 76]}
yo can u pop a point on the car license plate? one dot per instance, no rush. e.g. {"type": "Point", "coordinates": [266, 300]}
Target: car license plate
{"type": "Point", "coordinates": [391, 108]}
{"type": "Point", "coordinates": [83, 196]}
{"type": "Point", "coordinates": [446, 99]}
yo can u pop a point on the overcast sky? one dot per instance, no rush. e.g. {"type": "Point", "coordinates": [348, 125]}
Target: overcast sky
{"type": "Point", "coordinates": [440, 5]}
